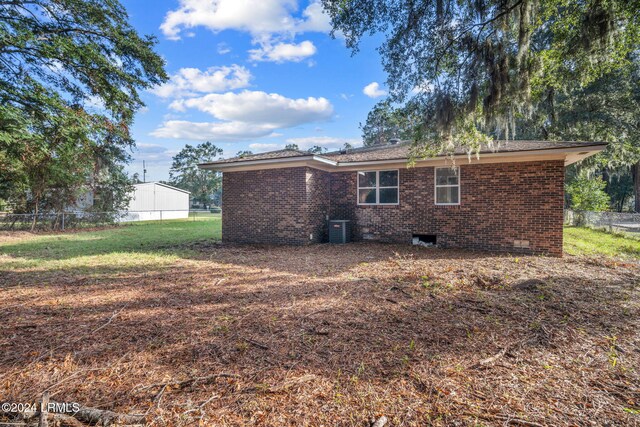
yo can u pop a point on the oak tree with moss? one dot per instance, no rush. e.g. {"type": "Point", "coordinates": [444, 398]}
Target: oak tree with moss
{"type": "Point", "coordinates": [471, 69]}
{"type": "Point", "coordinates": [71, 73]}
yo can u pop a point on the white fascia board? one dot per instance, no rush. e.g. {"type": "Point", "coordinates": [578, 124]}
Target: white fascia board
{"type": "Point", "coordinates": [569, 154]}
{"type": "Point", "coordinates": [556, 152]}
{"type": "Point", "coordinates": [222, 166]}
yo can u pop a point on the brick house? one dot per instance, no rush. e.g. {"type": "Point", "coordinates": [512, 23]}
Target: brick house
{"type": "Point", "coordinates": [511, 198]}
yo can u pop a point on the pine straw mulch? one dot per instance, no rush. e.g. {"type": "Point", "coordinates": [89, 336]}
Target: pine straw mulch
{"type": "Point", "coordinates": [332, 336]}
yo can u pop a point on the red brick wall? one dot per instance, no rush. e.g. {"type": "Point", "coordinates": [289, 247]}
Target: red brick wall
{"type": "Point", "coordinates": [275, 206]}
{"type": "Point", "coordinates": [266, 206]}
{"type": "Point", "coordinates": [500, 203]}
{"type": "Point", "coordinates": [318, 204]}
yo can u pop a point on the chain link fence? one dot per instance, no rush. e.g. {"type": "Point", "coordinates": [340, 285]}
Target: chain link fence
{"type": "Point", "coordinates": [55, 221]}
{"type": "Point", "coordinates": [78, 220]}
{"type": "Point", "coordinates": [610, 221]}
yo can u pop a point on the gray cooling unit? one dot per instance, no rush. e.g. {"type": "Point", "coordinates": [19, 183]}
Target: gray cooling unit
{"type": "Point", "coordinates": [339, 231]}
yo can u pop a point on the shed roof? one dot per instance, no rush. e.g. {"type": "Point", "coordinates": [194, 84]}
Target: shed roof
{"type": "Point", "coordinates": [162, 185]}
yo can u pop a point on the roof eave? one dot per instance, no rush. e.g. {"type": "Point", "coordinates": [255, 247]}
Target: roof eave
{"type": "Point", "coordinates": [569, 154]}
{"type": "Point", "coordinates": [226, 165]}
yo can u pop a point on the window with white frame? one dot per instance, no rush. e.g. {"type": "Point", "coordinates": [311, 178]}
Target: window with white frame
{"type": "Point", "coordinates": [447, 183]}
{"type": "Point", "coordinates": [378, 187]}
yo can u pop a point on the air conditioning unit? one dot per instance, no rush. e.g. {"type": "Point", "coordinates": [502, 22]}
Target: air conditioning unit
{"type": "Point", "coordinates": [339, 231]}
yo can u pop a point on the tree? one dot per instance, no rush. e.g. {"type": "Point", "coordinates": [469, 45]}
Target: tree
{"type": "Point", "coordinates": [587, 194]}
{"type": "Point", "coordinates": [244, 153]}
{"type": "Point", "coordinates": [480, 65]}
{"type": "Point", "coordinates": [70, 76]}
{"type": "Point", "coordinates": [604, 110]}
{"type": "Point", "coordinates": [384, 123]}
{"type": "Point", "coordinates": [186, 174]}
{"type": "Point", "coordinates": [316, 149]}
{"type": "Point", "coordinates": [291, 147]}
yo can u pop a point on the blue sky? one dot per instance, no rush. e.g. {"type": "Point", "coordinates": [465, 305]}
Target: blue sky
{"type": "Point", "coordinates": [250, 75]}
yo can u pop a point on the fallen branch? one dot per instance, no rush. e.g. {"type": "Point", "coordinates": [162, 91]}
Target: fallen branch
{"type": "Point", "coordinates": [203, 404]}
{"type": "Point", "coordinates": [51, 411]}
{"type": "Point", "coordinates": [505, 418]}
{"type": "Point", "coordinates": [63, 420]}
{"type": "Point", "coordinates": [256, 343]}
{"type": "Point", "coordinates": [93, 416]}
{"type": "Point", "coordinates": [495, 357]}
{"type": "Point", "coordinates": [192, 381]}
{"type": "Point", "coordinates": [44, 404]}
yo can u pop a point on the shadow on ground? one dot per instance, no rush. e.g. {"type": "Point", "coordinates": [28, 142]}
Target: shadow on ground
{"type": "Point", "coordinates": [332, 335]}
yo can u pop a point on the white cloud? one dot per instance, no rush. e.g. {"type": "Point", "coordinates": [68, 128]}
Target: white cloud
{"type": "Point", "coordinates": [273, 24]}
{"type": "Point", "coordinates": [213, 131]}
{"type": "Point", "coordinates": [154, 153]}
{"type": "Point", "coordinates": [259, 107]}
{"type": "Point", "coordinates": [372, 90]}
{"type": "Point", "coordinates": [244, 115]}
{"type": "Point", "coordinates": [282, 52]}
{"type": "Point", "coordinates": [223, 48]}
{"type": "Point", "coordinates": [261, 147]}
{"type": "Point", "coordinates": [253, 16]}
{"type": "Point", "coordinates": [323, 141]}
{"type": "Point", "coordinates": [192, 81]}
{"type": "Point", "coordinates": [315, 19]}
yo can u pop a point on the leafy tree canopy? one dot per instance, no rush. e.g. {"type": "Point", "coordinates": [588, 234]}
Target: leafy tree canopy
{"type": "Point", "coordinates": [186, 174]}
{"type": "Point", "coordinates": [244, 153]}
{"type": "Point", "coordinates": [291, 147]}
{"type": "Point", "coordinates": [482, 65]}
{"type": "Point", "coordinates": [61, 53]}
{"type": "Point", "coordinates": [316, 149]}
{"type": "Point", "coordinates": [384, 123]}
{"type": "Point", "coordinates": [70, 76]}
{"type": "Point", "coordinates": [587, 194]}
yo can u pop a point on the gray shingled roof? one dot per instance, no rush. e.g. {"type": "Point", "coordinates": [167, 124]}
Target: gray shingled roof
{"type": "Point", "coordinates": [279, 154]}
{"type": "Point", "coordinates": [401, 151]}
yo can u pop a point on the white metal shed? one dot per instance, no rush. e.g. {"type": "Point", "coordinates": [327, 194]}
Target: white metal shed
{"type": "Point", "coordinates": [157, 201]}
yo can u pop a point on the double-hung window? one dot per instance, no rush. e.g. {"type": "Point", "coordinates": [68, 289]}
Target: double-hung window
{"type": "Point", "coordinates": [378, 187]}
{"type": "Point", "coordinates": [447, 186]}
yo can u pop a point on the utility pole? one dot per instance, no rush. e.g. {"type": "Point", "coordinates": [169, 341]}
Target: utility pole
{"type": "Point", "coordinates": [144, 172]}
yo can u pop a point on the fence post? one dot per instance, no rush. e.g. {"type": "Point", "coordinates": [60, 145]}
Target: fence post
{"type": "Point", "coordinates": [62, 220]}
{"type": "Point", "coordinates": [160, 216]}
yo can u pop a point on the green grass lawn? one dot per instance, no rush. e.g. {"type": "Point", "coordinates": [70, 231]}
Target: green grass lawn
{"type": "Point", "coordinates": [153, 244]}
{"type": "Point", "coordinates": [139, 244]}
{"type": "Point", "coordinates": [585, 241]}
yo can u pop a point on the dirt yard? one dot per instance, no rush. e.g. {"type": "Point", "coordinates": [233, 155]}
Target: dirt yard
{"type": "Point", "coordinates": [330, 336]}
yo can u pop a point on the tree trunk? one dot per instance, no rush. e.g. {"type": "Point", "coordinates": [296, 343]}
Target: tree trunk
{"type": "Point", "coordinates": [35, 216]}
{"type": "Point", "coordinates": [636, 185]}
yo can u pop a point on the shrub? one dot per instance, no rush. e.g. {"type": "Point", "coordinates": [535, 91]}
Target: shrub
{"type": "Point", "coordinates": [587, 194]}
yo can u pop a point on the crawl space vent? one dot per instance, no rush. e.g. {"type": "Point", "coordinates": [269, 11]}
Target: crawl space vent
{"type": "Point", "coordinates": [427, 240]}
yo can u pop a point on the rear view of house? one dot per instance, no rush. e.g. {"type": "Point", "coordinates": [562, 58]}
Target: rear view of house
{"type": "Point", "coordinates": [511, 198]}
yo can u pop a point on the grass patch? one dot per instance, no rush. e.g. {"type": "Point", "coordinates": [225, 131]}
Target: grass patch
{"type": "Point", "coordinates": [586, 241]}
{"type": "Point", "coordinates": [147, 243]}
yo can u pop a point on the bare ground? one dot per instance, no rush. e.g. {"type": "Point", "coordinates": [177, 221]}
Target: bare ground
{"type": "Point", "coordinates": [334, 336]}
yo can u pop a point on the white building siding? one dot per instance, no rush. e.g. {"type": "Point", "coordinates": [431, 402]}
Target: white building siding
{"type": "Point", "coordinates": [154, 201]}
